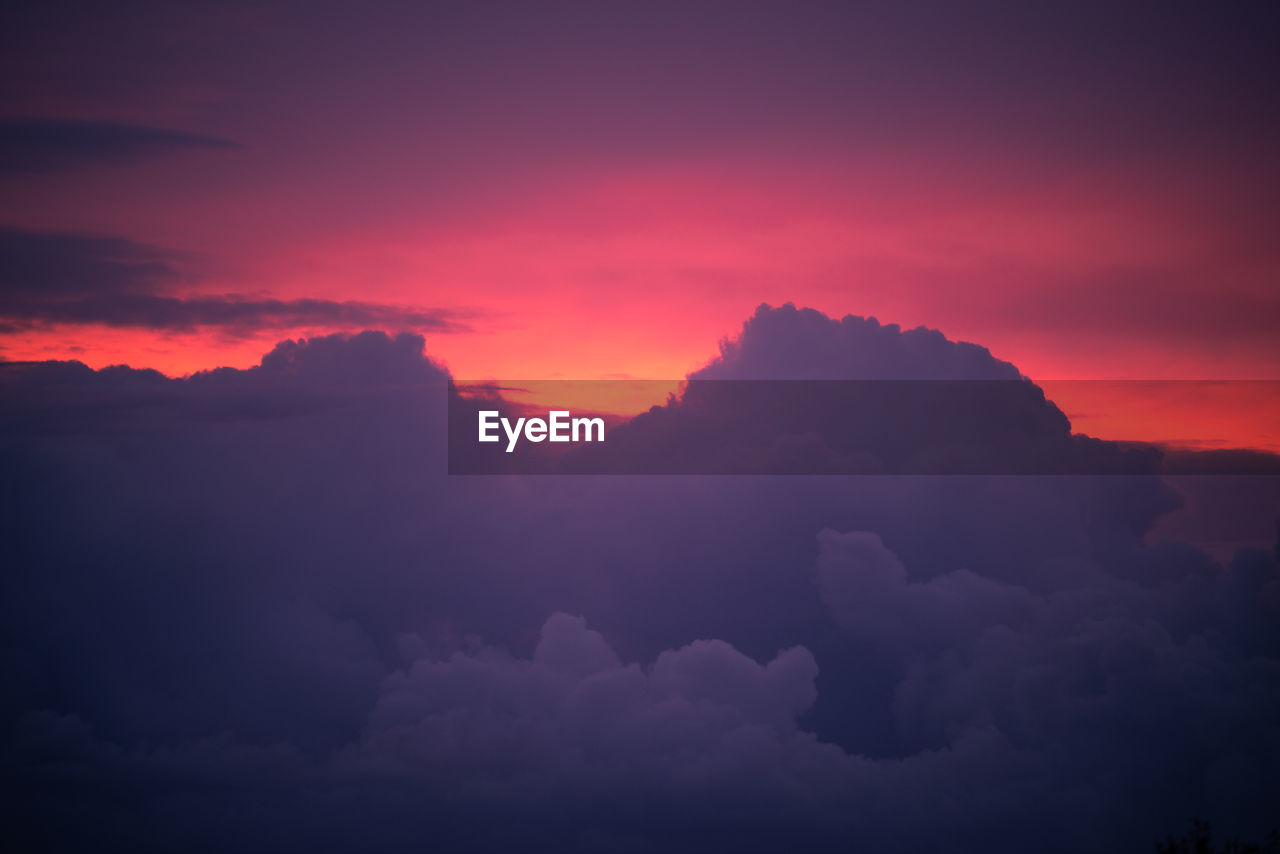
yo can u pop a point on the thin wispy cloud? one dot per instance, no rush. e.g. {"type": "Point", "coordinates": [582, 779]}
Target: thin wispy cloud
{"type": "Point", "coordinates": [53, 145]}
{"type": "Point", "coordinates": [49, 279]}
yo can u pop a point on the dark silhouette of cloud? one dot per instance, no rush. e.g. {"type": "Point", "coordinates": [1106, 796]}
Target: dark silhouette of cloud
{"type": "Point", "coordinates": [53, 145]}
{"type": "Point", "coordinates": [798, 392]}
{"type": "Point", "coordinates": [845, 427]}
{"type": "Point", "coordinates": [248, 610]}
{"type": "Point", "coordinates": [789, 343]}
{"type": "Point", "coordinates": [70, 278]}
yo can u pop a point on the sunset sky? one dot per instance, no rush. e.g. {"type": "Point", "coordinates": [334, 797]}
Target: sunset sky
{"type": "Point", "coordinates": [841, 578]}
{"type": "Point", "coordinates": [594, 190]}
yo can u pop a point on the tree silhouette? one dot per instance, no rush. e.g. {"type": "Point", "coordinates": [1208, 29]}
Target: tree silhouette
{"type": "Point", "coordinates": [1199, 840]}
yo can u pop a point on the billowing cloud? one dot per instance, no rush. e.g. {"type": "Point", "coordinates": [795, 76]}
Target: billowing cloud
{"type": "Point", "coordinates": [249, 610]}
{"type": "Point", "coordinates": [797, 392]}
{"type": "Point", "coordinates": [77, 279]}
{"type": "Point", "coordinates": [789, 343]}
{"type": "Point", "coordinates": [867, 590]}
{"type": "Point", "coordinates": [576, 707]}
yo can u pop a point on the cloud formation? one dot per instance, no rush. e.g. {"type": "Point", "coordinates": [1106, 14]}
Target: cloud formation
{"type": "Point", "coordinates": [867, 590]}
{"type": "Point", "coordinates": [789, 343]}
{"type": "Point", "coordinates": [77, 279]}
{"type": "Point", "coordinates": [248, 610]}
{"type": "Point", "coordinates": [797, 392]}
{"type": "Point", "coordinates": [53, 145]}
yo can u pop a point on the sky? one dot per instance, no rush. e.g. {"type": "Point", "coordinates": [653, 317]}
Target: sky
{"type": "Point", "coordinates": [249, 250]}
{"type": "Point", "coordinates": [593, 190]}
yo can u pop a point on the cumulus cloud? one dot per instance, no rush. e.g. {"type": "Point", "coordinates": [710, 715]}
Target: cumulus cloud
{"type": "Point", "coordinates": [249, 610]}
{"type": "Point", "coordinates": [798, 392]}
{"type": "Point", "coordinates": [1156, 664]}
{"type": "Point", "coordinates": [866, 589]}
{"type": "Point", "coordinates": [789, 343]}
{"type": "Point", "coordinates": [575, 715]}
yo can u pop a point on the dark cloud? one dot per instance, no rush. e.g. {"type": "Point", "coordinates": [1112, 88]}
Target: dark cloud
{"type": "Point", "coordinates": [248, 610]}
{"type": "Point", "coordinates": [50, 279]}
{"type": "Point", "coordinates": [840, 427]}
{"type": "Point", "coordinates": [798, 392]}
{"type": "Point", "coordinates": [575, 700]}
{"type": "Point", "coordinates": [234, 314]}
{"type": "Point", "coordinates": [59, 266]}
{"type": "Point", "coordinates": [867, 589]}
{"type": "Point", "coordinates": [789, 343]}
{"type": "Point", "coordinates": [52, 145]}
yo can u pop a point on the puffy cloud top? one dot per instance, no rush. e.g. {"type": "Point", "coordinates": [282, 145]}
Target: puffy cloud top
{"type": "Point", "coordinates": [789, 343]}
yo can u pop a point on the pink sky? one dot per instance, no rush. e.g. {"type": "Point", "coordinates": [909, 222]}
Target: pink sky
{"type": "Point", "coordinates": [611, 199]}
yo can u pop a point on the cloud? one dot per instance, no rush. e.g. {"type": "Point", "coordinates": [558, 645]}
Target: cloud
{"type": "Point", "coordinates": [797, 392]}
{"type": "Point", "coordinates": [77, 279]}
{"type": "Point", "coordinates": [575, 706]}
{"type": "Point", "coordinates": [298, 377]}
{"type": "Point", "coordinates": [72, 265]}
{"type": "Point", "coordinates": [233, 314]}
{"type": "Point", "coordinates": [789, 343]}
{"type": "Point", "coordinates": [1150, 660]}
{"type": "Point", "coordinates": [53, 145]}
{"type": "Point", "coordinates": [866, 589]}
{"type": "Point", "coordinates": [249, 610]}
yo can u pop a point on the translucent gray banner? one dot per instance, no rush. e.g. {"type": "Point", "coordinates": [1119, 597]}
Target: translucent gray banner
{"type": "Point", "coordinates": [863, 427]}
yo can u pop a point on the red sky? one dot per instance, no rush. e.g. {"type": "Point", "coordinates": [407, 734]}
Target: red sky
{"type": "Point", "coordinates": [608, 193]}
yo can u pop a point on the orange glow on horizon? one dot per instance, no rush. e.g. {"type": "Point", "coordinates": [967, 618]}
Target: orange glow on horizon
{"type": "Point", "coordinates": [639, 272]}
{"type": "Point", "coordinates": [1200, 414]}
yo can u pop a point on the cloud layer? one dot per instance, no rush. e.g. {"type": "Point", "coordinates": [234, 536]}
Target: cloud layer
{"type": "Point", "coordinates": [52, 145]}
{"type": "Point", "coordinates": [248, 610]}
{"type": "Point", "coordinates": [77, 279]}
